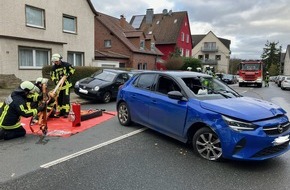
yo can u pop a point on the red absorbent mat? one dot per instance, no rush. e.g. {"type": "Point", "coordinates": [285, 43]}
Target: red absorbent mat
{"type": "Point", "coordinates": [62, 127]}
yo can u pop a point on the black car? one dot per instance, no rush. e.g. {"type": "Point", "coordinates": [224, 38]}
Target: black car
{"type": "Point", "coordinates": [102, 85]}
{"type": "Point", "coordinates": [228, 79]}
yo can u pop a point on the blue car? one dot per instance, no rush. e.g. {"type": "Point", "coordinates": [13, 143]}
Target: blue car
{"type": "Point", "coordinates": [198, 109]}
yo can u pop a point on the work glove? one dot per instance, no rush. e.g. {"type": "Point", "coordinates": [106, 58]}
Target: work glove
{"type": "Point", "coordinates": [41, 107]}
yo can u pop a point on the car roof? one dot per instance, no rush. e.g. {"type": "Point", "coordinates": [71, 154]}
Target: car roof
{"type": "Point", "coordinates": [115, 70]}
{"type": "Point", "coordinates": [181, 74]}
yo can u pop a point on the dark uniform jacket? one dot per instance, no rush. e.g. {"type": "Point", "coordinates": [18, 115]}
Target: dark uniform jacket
{"type": "Point", "coordinates": [63, 69]}
{"type": "Point", "coordinates": [13, 108]}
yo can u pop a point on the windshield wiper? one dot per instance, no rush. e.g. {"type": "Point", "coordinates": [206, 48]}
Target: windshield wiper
{"type": "Point", "coordinates": [227, 91]}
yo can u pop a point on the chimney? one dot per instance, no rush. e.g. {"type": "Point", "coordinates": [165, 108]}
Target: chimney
{"type": "Point", "coordinates": [165, 12]}
{"type": "Point", "coordinates": [149, 16]}
{"type": "Point", "coordinates": [122, 21]}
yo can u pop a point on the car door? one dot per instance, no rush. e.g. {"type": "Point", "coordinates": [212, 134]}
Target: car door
{"type": "Point", "coordinates": [165, 114]}
{"type": "Point", "coordinates": [120, 80]}
{"type": "Point", "coordinates": [140, 98]}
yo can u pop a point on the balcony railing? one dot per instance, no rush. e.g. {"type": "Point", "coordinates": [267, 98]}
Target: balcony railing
{"type": "Point", "coordinates": [209, 49]}
{"type": "Point", "coordinates": [209, 62]}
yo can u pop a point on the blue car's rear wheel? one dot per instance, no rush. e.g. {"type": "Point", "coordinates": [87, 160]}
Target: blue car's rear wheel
{"type": "Point", "coordinates": [207, 144]}
{"type": "Point", "coordinates": [124, 114]}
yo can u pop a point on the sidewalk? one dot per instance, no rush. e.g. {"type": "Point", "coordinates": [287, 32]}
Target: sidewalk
{"type": "Point", "coordinates": [73, 97]}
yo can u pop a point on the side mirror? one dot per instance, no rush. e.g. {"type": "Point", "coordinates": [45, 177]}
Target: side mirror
{"type": "Point", "coordinates": [175, 95]}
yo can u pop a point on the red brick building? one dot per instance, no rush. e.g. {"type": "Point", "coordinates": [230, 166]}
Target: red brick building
{"type": "Point", "coordinates": [118, 44]}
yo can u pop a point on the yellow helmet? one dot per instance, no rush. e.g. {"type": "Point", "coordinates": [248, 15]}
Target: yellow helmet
{"type": "Point", "coordinates": [41, 80]}
{"type": "Point", "coordinates": [56, 57]}
{"type": "Point", "coordinates": [29, 87]}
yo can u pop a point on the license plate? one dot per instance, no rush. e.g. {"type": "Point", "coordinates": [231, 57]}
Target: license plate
{"type": "Point", "coordinates": [83, 91]}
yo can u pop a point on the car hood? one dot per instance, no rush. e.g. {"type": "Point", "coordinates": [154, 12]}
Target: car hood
{"type": "Point", "coordinates": [245, 108]}
{"type": "Point", "coordinates": [91, 82]}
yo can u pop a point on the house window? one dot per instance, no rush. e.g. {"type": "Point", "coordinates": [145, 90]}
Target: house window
{"type": "Point", "coordinates": [187, 38]}
{"type": "Point", "coordinates": [144, 66]}
{"type": "Point", "coordinates": [108, 43]}
{"type": "Point", "coordinates": [69, 24]}
{"type": "Point", "coordinates": [181, 51]}
{"type": "Point", "coordinates": [182, 36]}
{"type": "Point", "coordinates": [206, 56]}
{"type": "Point", "coordinates": [122, 65]}
{"type": "Point", "coordinates": [187, 53]}
{"type": "Point", "coordinates": [32, 58]}
{"type": "Point", "coordinates": [200, 57]}
{"type": "Point", "coordinates": [34, 17]}
{"type": "Point", "coordinates": [139, 66]}
{"type": "Point", "coordinates": [142, 44]}
{"type": "Point", "coordinates": [75, 58]}
{"type": "Point", "coordinates": [152, 46]}
{"type": "Point", "coordinates": [218, 57]}
{"type": "Point", "coordinates": [210, 45]}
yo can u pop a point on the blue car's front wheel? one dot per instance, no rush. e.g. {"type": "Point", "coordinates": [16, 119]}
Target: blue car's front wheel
{"type": "Point", "coordinates": [207, 144]}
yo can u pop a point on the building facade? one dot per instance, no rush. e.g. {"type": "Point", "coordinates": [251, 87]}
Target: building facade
{"type": "Point", "coordinates": [42, 28]}
{"type": "Point", "coordinates": [286, 67]}
{"type": "Point", "coordinates": [212, 51]}
{"type": "Point", "coordinates": [171, 30]}
{"type": "Point", "coordinates": [118, 44]}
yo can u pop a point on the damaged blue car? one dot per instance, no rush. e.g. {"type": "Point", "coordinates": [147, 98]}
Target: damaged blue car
{"type": "Point", "coordinates": [198, 109]}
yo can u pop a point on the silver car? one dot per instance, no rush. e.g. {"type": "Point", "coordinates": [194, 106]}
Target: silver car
{"type": "Point", "coordinates": [285, 84]}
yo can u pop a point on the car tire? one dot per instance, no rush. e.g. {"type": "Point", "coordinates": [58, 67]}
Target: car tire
{"type": "Point", "coordinates": [124, 116]}
{"type": "Point", "coordinates": [207, 144]}
{"type": "Point", "coordinates": [107, 97]}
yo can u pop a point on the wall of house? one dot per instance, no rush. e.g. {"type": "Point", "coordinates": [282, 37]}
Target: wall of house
{"type": "Point", "coordinates": [9, 57]}
{"type": "Point", "coordinates": [150, 61]}
{"type": "Point", "coordinates": [102, 33]}
{"type": "Point", "coordinates": [223, 51]}
{"type": "Point", "coordinates": [166, 50]}
{"type": "Point", "coordinates": [287, 62]}
{"type": "Point", "coordinates": [185, 28]}
{"type": "Point", "coordinates": [51, 37]}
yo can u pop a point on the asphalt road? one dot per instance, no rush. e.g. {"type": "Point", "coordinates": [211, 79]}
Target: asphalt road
{"type": "Point", "coordinates": [145, 160]}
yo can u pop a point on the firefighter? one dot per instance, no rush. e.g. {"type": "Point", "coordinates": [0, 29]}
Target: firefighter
{"type": "Point", "coordinates": [267, 77]}
{"type": "Point", "coordinates": [36, 97]}
{"type": "Point", "coordinates": [13, 108]}
{"type": "Point", "coordinates": [59, 70]}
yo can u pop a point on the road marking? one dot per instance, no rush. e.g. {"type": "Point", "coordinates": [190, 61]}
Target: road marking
{"type": "Point", "coordinates": [49, 164]}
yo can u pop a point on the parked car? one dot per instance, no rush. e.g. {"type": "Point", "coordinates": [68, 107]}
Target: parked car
{"type": "Point", "coordinates": [197, 108]}
{"type": "Point", "coordinates": [280, 79]}
{"type": "Point", "coordinates": [285, 84]}
{"type": "Point", "coordinates": [102, 85]}
{"type": "Point", "coordinates": [229, 78]}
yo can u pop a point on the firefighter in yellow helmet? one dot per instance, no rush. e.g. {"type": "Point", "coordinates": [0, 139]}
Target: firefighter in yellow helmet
{"type": "Point", "coordinates": [59, 70]}
{"type": "Point", "coordinates": [13, 108]}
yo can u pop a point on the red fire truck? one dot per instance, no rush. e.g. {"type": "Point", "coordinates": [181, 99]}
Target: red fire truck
{"type": "Point", "coordinates": [251, 73]}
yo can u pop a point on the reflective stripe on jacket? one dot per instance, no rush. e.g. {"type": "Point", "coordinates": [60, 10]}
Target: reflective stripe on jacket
{"type": "Point", "coordinates": [12, 110]}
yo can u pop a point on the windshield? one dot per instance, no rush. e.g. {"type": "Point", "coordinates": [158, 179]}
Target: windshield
{"type": "Point", "coordinates": [105, 76]}
{"type": "Point", "coordinates": [208, 86]}
{"type": "Point", "coordinates": [250, 67]}
{"type": "Point", "coordinates": [227, 76]}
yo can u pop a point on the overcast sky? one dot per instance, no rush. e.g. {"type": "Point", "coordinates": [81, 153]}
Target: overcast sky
{"type": "Point", "coordinates": [247, 23]}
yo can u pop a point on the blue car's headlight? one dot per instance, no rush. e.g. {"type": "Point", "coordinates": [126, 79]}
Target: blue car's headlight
{"type": "Point", "coordinates": [239, 125]}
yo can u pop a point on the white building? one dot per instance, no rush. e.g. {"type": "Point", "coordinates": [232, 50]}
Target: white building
{"type": "Point", "coordinates": [212, 51]}
{"type": "Point", "coordinates": [32, 30]}
{"type": "Point", "coordinates": [287, 61]}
